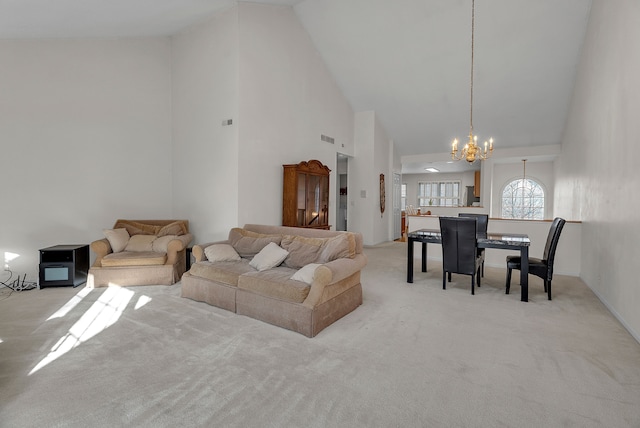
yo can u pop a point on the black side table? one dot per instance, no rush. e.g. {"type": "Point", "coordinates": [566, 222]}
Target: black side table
{"type": "Point", "coordinates": [188, 255]}
{"type": "Point", "coordinates": [64, 265]}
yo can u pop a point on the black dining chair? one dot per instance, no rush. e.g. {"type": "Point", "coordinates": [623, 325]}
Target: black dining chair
{"type": "Point", "coordinates": [542, 268]}
{"type": "Point", "coordinates": [483, 223]}
{"type": "Point", "coordinates": [459, 249]}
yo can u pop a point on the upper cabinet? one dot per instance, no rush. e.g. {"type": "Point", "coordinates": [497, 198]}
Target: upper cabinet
{"type": "Point", "coordinates": [305, 198]}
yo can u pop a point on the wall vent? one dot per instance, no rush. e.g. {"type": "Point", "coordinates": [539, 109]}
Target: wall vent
{"type": "Point", "coordinates": [327, 139]}
{"type": "Point", "coordinates": [227, 122]}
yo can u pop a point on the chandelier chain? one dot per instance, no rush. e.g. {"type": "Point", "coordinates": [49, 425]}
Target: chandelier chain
{"type": "Point", "coordinates": [473, 19]}
{"type": "Point", "coordinates": [471, 151]}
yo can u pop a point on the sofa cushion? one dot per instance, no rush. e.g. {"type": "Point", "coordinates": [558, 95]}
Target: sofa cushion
{"type": "Point", "coordinates": [175, 228]}
{"type": "Point", "coordinates": [118, 238]}
{"type": "Point", "coordinates": [269, 257]}
{"type": "Point", "coordinates": [160, 243]}
{"type": "Point", "coordinates": [302, 250]}
{"type": "Point", "coordinates": [140, 243]}
{"type": "Point", "coordinates": [221, 253]}
{"type": "Point", "coordinates": [306, 273]}
{"type": "Point", "coordinates": [137, 228]}
{"type": "Point", "coordinates": [223, 272]}
{"type": "Point", "coordinates": [248, 243]}
{"type": "Point", "coordinates": [275, 283]}
{"type": "Point", "coordinates": [338, 247]}
{"type": "Point", "coordinates": [134, 258]}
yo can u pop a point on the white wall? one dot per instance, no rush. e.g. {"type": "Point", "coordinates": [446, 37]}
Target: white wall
{"type": "Point", "coordinates": [103, 114]}
{"type": "Point", "coordinates": [85, 128]}
{"type": "Point", "coordinates": [504, 173]}
{"type": "Point", "coordinates": [597, 176]}
{"type": "Point", "coordinates": [287, 100]}
{"type": "Point", "coordinates": [374, 156]}
{"type": "Point", "coordinates": [498, 174]}
{"type": "Point", "coordinates": [363, 186]}
{"type": "Point", "coordinates": [253, 64]}
{"type": "Point", "coordinates": [382, 164]}
{"type": "Point", "coordinates": [205, 153]}
{"type": "Point", "coordinates": [395, 167]}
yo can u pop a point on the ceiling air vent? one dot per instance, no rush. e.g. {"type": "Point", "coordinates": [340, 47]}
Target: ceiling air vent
{"type": "Point", "coordinates": [327, 139]}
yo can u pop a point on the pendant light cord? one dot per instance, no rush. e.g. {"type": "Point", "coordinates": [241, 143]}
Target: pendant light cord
{"type": "Point", "coordinates": [524, 175]}
{"type": "Point", "coordinates": [473, 19]}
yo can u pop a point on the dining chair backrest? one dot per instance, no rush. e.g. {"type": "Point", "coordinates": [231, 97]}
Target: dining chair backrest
{"type": "Point", "coordinates": [552, 243]}
{"type": "Point", "coordinates": [458, 244]}
{"type": "Point", "coordinates": [483, 220]}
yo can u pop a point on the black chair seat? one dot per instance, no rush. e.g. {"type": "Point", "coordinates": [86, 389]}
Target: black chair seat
{"type": "Point", "coordinates": [537, 267]}
{"type": "Point", "coordinates": [542, 268]}
{"type": "Point", "coordinates": [514, 262]}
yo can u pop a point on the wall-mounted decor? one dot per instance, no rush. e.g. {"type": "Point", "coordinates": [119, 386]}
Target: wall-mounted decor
{"type": "Point", "coordinates": [382, 195]}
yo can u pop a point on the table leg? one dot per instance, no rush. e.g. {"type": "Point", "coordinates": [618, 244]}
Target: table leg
{"type": "Point", "coordinates": [524, 274]}
{"type": "Point", "coordinates": [410, 260]}
{"type": "Point", "coordinates": [424, 257]}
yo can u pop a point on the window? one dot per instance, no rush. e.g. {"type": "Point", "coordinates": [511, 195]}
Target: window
{"type": "Point", "coordinates": [439, 193]}
{"type": "Point", "coordinates": [524, 199]}
{"type": "Point", "coordinates": [403, 196]}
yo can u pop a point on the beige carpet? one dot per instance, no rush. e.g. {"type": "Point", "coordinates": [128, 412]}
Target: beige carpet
{"type": "Point", "coordinates": [412, 355]}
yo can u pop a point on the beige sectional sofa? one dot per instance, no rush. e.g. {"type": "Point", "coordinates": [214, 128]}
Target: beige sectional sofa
{"type": "Point", "coordinates": [325, 266]}
{"type": "Point", "coordinates": [140, 252]}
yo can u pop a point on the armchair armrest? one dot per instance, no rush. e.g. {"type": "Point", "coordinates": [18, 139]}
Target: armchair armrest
{"type": "Point", "coordinates": [101, 247]}
{"type": "Point", "coordinates": [176, 245]}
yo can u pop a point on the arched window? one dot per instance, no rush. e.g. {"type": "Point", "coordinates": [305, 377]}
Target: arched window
{"type": "Point", "coordinates": [523, 198]}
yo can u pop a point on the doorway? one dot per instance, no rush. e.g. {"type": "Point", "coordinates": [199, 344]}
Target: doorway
{"type": "Point", "coordinates": [342, 172]}
{"type": "Point", "coordinates": [397, 206]}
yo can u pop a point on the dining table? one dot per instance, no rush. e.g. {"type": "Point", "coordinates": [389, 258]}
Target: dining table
{"type": "Point", "coordinates": [503, 241]}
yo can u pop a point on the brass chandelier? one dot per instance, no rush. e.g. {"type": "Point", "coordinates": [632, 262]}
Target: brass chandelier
{"type": "Point", "coordinates": [471, 151]}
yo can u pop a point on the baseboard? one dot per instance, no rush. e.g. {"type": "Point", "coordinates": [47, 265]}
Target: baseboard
{"type": "Point", "coordinates": [631, 331]}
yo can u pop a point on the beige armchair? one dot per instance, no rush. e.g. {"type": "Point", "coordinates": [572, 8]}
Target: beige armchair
{"type": "Point", "coordinates": [140, 252]}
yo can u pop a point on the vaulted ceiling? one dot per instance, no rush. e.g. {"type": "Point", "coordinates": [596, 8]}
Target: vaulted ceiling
{"type": "Point", "coordinates": [407, 60]}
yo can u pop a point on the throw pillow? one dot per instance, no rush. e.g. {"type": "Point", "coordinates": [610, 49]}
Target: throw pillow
{"type": "Point", "coordinates": [248, 243]}
{"type": "Point", "coordinates": [270, 256]}
{"type": "Point", "coordinates": [175, 228]}
{"type": "Point", "coordinates": [118, 238]}
{"type": "Point", "coordinates": [306, 273]}
{"type": "Point", "coordinates": [302, 250]}
{"type": "Point", "coordinates": [162, 242]}
{"type": "Point", "coordinates": [140, 243]}
{"type": "Point", "coordinates": [221, 253]}
{"type": "Point", "coordinates": [137, 228]}
{"type": "Point", "coordinates": [338, 247]}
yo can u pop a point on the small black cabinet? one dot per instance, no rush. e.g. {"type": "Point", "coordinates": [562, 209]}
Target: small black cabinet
{"type": "Point", "coordinates": [64, 265]}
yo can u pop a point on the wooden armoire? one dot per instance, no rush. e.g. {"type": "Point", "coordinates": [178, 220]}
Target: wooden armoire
{"type": "Point", "coordinates": [305, 197]}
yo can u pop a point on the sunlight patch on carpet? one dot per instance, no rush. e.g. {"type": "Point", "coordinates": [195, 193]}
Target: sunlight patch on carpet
{"type": "Point", "coordinates": [103, 313]}
{"type": "Point", "coordinates": [64, 310]}
{"type": "Point", "coordinates": [142, 300]}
